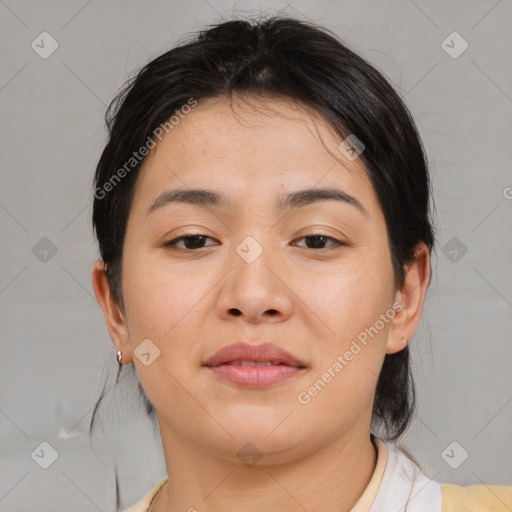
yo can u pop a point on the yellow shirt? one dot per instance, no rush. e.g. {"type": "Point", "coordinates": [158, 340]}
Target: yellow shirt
{"type": "Point", "coordinates": [398, 485]}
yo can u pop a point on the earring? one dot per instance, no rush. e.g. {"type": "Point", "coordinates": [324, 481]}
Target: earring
{"type": "Point", "coordinates": [405, 341]}
{"type": "Point", "coordinates": [119, 357]}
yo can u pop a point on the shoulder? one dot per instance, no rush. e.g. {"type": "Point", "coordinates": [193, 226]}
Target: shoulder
{"type": "Point", "coordinates": [405, 484]}
{"type": "Point", "coordinates": [143, 504]}
{"type": "Point", "coordinates": [480, 497]}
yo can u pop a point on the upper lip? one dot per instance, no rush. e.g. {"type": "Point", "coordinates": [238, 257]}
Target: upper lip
{"type": "Point", "coordinates": [250, 352]}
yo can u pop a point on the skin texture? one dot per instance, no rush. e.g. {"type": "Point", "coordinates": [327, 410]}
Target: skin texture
{"type": "Point", "coordinates": [312, 300]}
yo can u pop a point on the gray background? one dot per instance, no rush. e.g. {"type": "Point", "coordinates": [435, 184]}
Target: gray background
{"type": "Point", "coordinates": [56, 352]}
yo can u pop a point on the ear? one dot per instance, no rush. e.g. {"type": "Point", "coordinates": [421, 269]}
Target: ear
{"type": "Point", "coordinates": [112, 312]}
{"type": "Point", "coordinates": [411, 296]}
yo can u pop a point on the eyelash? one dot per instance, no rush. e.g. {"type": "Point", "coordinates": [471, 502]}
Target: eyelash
{"type": "Point", "coordinates": [337, 243]}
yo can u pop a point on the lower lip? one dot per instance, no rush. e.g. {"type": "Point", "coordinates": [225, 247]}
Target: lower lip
{"type": "Point", "coordinates": [255, 376]}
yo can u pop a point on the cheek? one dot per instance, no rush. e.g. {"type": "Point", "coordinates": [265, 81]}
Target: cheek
{"type": "Point", "coordinates": [349, 359]}
{"type": "Point", "coordinates": [351, 298]}
{"type": "Point", "coordinates": [159, 303]}
{"type": "Point", "coordinates": [165, 307]}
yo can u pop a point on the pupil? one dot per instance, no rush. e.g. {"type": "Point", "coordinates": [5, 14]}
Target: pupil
{"type": "Point", "coordinates": [193, 240]}
{"type": "Point", "coordinates": [317, 238]}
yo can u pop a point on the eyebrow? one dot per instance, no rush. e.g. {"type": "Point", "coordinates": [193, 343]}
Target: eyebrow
{"type": "Point", "coordinates": [211, 198]}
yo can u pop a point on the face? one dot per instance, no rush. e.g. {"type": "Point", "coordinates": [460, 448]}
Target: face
{"type": "Point", "coordinates": [308, 276]}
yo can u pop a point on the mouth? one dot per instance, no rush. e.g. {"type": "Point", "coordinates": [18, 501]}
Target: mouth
{"type": "Point", "coordinates": [256, 363]}
{"type": "Point", "coordinates": [254, 366]}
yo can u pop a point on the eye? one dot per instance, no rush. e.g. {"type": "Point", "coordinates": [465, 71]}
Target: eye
{"type": "Point", "coordinates": [191, 242]}
{"type": "Point", "coordinates": [317, 240]}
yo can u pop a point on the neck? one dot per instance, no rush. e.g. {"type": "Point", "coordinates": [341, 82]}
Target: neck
{"type": "Point", "coordinates": [331, 478]}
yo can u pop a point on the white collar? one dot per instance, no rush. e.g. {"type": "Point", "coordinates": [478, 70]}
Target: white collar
{"type": "Point", "coordinates": [404, 487]}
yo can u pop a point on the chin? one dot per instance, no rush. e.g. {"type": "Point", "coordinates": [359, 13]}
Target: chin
{"type": "Point", "coordinates": [254, 448]}
{"type": "Point", "coordinates": [270, 433]}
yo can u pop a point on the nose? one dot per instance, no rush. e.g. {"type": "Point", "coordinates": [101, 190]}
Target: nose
{"type": "Point", "coordinates": [256, 292]}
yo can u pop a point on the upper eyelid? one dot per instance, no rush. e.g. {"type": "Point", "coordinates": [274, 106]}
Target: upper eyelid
{"type": "Point", "coordinates": [189, 235]}
{"type": "Point", "coordinates": [177, 239]}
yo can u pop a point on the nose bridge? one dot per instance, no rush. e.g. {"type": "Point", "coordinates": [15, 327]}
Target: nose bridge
{"type": "Point", "coordinates": [250, 250]}
{"type": "Point", "coordinates": [252, 265]}
{"type": "Point", "coordinates": [254, 289]}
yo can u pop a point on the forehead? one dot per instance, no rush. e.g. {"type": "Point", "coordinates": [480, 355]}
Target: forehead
{"type": "Point", "coordinates": [248, 149]}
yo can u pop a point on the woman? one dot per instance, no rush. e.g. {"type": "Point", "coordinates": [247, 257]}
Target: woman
{"type": "Point", "coordinates": [262, 211]}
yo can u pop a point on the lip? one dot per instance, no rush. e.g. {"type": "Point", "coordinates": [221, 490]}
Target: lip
{"type": "Point", "coordinates": [286, 364]}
